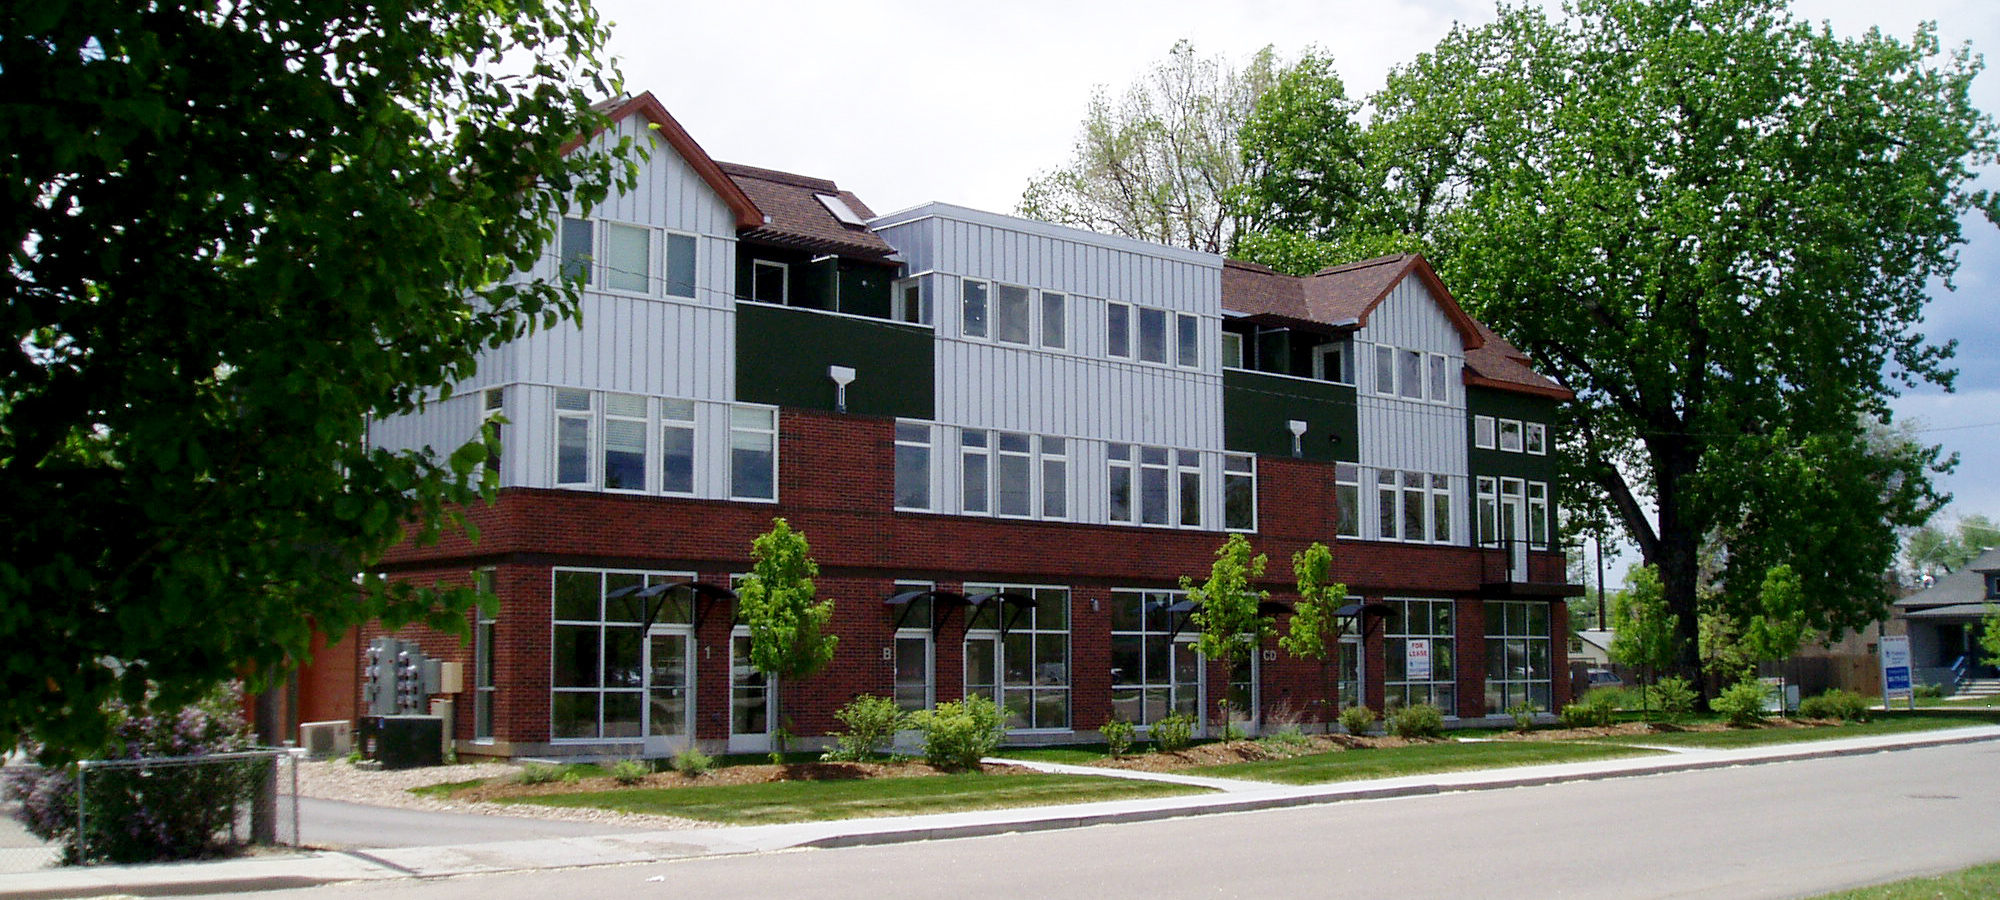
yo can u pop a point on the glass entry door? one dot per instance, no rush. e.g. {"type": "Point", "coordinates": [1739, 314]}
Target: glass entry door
{"type": "Point", "coordinates": [669, 691]}
{"type": "Point", "coordinates": [1514, 528]}
{"type": "Point", "coordinates": [915, 667]}
{"type": "Point", "coordinates": [749, 699]}
{"type": "Point", "coordinates": [982, 667]}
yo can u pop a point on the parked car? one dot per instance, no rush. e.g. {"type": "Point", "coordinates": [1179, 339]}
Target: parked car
{"type": "Point", "coordinates": [1604, 678]}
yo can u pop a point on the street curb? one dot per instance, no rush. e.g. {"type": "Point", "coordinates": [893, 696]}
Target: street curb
{"type": "Point", "coordinates": [174, 888]}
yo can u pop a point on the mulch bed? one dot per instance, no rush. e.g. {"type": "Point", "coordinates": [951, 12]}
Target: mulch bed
{"type": "Point", "coordinates": [1225, 752]}
{"type": "Point", "coordinates": [505, 788]}
{"type": "Point", "coordinates": [1640, 729]}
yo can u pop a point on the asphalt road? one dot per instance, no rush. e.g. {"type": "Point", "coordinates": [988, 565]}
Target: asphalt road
{"type": "Point", "coordinates": [335, 825]}
{"type": "Point", "coordinates": [1754, 833]}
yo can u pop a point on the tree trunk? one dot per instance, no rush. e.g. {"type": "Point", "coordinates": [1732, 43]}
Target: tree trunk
{"type": "Point", "coordinates": [1677, 552]}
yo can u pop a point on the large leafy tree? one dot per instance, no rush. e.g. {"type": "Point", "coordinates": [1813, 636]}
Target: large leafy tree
{"type": "Point", "coordinates": [1161, 161]}
{"type": "Point", "coordinates": [237, 233]}
{"type": "Point", "coordinates": [1717, 224]}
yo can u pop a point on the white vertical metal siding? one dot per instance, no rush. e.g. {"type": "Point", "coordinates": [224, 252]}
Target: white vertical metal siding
{"type": "Point", "coordinates": [1413, 435]}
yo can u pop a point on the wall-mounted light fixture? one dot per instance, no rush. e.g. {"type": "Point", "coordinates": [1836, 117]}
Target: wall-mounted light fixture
{"type": "Point", "coordinates": [842, 377]}
{"type": "Point", "coordinates": [1298, 429]}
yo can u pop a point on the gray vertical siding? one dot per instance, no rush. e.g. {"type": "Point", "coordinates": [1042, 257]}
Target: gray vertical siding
{"type": "Point", "coordinates": [1412, 435]}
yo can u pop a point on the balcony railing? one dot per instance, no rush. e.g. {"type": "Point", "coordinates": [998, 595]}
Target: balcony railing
{"type": "Point", "coordinates": [1504, 567]}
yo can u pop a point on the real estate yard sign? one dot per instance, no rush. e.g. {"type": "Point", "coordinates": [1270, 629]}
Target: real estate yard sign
{"type": "Point", "coordinates": [1895, 655]}
{"type": "Point", "coordinates": [1419, 659]}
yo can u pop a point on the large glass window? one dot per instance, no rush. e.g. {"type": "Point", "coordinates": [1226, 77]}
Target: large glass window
{"type": "Point", "coordinates": [1055, 320]}
{"type": "Point", "coordinates": [1489, 510]}
{"type": "Point", "coordinates": [628, 257]}
{"type": "Point", "coordinates": [1517, 655]}
{"type": "Point", "coordinates": [1013, 473]}
{"type": "Point", "coordinates": [1152, 674]}
{"type": "Point", "coordinates": [1347, 499]}
{"type": "Point", "coordinates": [624, 442]}
{"type": "Point", "coordinates": [574, 425]}
{"type": "Point", "coordinates": [597, 678]}
{"type": "Point", "coordinates": [485, 623]}
{"type": "Point", "coordinates": [1055, 478]}
{"type": "Point", "coordinates": [753, 453]}
{"type": "Point", "coordinates": [1239, 492]}
{"type": "Point", "coordinates": [677, 446]}
{"type": "Point", "coordinates": [1119, 478]}
{"type": "Point", "coordinates": [1418, 646]}
{"type": "Point", "coordinates": [1538, 514]}
{"type": "Point", "coordinates": [1025, 670]}
{"type": "Point", "coordinates": [1187, 468]}
{"type": "Point", "coordinates": [1152, 335]}
{"type": "Point", "coordinates": [913, 466]}
{"type": "Point", "coordinates": [1155, 486]}
{"type": "Point", "coordinates": [1010, 313]}
{"type": "Point", "coordinates": [974, 462]}
{"type": "Point", "coordinates": [577, 250]}
{"type": "Point", "coordinates": [973, 298]}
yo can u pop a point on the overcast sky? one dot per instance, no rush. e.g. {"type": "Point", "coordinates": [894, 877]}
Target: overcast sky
{"type": "Point", "coordinates": [909, 102]}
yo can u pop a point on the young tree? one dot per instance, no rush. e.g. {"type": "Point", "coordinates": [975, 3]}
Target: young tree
{"type": "Point", "coordinates": [1645, 634]}
{"type": "Point", "coordinates": [238, 233]}
{"type": "Point", "coordinates": [1679, 209]}
{"type": "Point", "coordinates": [788, 628]}
{"type": "Point", "coordinates": [1316, 631]}
{"type": "Point", "coordinates": [1227, 617]}
{"type": "Point", "coordinates": [1161, 163]}
{"type": "Point", "coordinates": [1989, 634]}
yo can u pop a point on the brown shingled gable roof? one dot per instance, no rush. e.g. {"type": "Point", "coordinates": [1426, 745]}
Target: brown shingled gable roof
{"type": "Point", "coordinates": [746, 212]}
{"type": "Point", "coordinates": [1345, 296]}
{"type": "Point", "coordinates": [797, 218]}
{"type": "Point", "coordinates": [1499, 365]}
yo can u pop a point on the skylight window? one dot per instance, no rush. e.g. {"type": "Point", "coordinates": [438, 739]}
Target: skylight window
{"type": "Point", "coordinates": [840, 209]}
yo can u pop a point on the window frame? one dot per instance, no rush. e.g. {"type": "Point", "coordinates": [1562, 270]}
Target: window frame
{"type": "Point", "coordinates": [1485, 433]}
{"type": "Point", "coordinates": [784, 275]}
{"type": "Point", "coordinates": [588, 416]}
{"type": "Point", "coordinates": [1120, 459]}
{"type": "Point", "coordinates": [1052, 306]}
{"type": "Point", "coordinates": [734, 430]}
{"type": "Point", "coordinates": [1518, 432]}
{"type": "Point", "coordinates": [905, 430]}
{"type": "Point", "coordinates": [1187, 465]}
{"type": "Point", "coordinates": [1052, 468]}
{"type": "Point", "coordinates": [1187, 340]}
{"type": "Point", "coordinates": [1535, 438]}
{"type": "Point", "coordinates": [1166, 337]}
{"type": "Point", "coordinates": [1402, 627]}
{"type": "Point", "coordinates": [965, 306]}
{"type": "Point", "coordinates": [666, 421]}
{"type": "Point", "coordinates": [1233, 475]}
{"type": "Point", "coordinates": [1347, 515]}
{"type": "Point", "coordinates": [643, 420]}
{"type": "Point", "coordinates": [969, 449]}
{"type": "Point", "coordinates": [1118, 342]}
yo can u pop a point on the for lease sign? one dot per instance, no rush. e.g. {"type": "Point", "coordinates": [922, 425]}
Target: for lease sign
{"type": "Point", "coordinates": [1418, 659]}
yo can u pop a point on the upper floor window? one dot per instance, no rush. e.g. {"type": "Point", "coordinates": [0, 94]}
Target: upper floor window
{"type": "Point", "coordinates": [1537, 438]}
{"type": "Point", "coordinates": [1510, 435]}
{"type": "Point", "coordinates": [624, 442]}
{"type": "Point", "coordinates": [1332, 362]}
{"type": "Point", "coordinates": [1187, 329]}
{"type": "Point", "coordinates": [1993, 587]}
{"type": "Point", "coordinates": [1055, 320]}
{"type": "Point", "coordinates": [1118, 329]}
{"type": "Point", "coordinates": [1347, 500]}
{"type": "Point", "coordinates": [753, 453]}
{"type": "Point", "coordinates": [1484, 432]}
{"type": "Point", "coordinates": [972, 305]}
{"type": "Point", "coordinates": [1012, 314]}
{"type": "Point", "coordinates": [622, 257]}
{"type": "Point", "coordinates": [769, 281]}
{"type": "Point", "coordinates": [911, 305]}
{"type": "Point", "coordinates": [913, 466]}
{"type": "Point", "coordinates": [1152, 335]}
{"type": "Point", "coordinates": [1232, 350]}
{"type": "Point", "coordinates": [1239, 492]}
{"type": "Point", "coordinates": [1012, 474]}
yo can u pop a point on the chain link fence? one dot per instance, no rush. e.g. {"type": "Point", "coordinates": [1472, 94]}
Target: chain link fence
{"type": "Point", "coordinates": [158, 808]}
{"type": "Point", "coordinates": [20, 850]}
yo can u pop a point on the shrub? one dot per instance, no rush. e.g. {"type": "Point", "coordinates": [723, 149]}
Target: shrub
{"type": "Point", "coordinates": [1674, 698]}
{"type": "Point", "coordinates": [1418, 720]}
{"type": "Point", "coordinates": [871, 722]}
{"type": "Point", "coordinates": [1593, 712]}
{"type": "Point", "coordinates": [629, 772]}
{"type": "Point", "coordinates": [1172, 733]}
{"type": "Point", "coordinates": [1287, 740]}
{"type": "Point", "coordinates": [538, 773]}
{"type": "Point", "coordinates": [157, 812]}
{"type": "Point", "coordinates": [692, 762]}
{"type": "Point", "coordinates": [1524, 715]}
{"type": "Point", "coordinates": [958, 735]}
{"type": "Point", "coordinates": [1117, 736]}
{"type": "Point", "coordinates": [1741, 704]}
{"type": "Point", "coordinates": [1610, 698]}
{"type": "Point", "coordinates": [1836, 704]}
{"type": "Point", "coordinates": [1357, 719]}
{"type": "Point", "coordinates": [1929, 691]}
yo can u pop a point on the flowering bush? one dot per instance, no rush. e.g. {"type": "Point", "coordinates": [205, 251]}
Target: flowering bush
{"type": "Point", "coordinates": [155, 812]}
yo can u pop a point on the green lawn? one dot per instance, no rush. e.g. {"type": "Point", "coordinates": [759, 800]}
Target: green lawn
{"type": "Point", "coordinates": [1976, 883]}
{"type": "Point", "coordinates": [804, 801]}
{"type": "Point", "coordinates": [1902, 722]}
{"type": "Point", "coordinates": [1349, 765]}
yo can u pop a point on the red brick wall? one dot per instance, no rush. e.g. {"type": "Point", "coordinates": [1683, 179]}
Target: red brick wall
{"type": "Point", "coordinates": [836, 484]}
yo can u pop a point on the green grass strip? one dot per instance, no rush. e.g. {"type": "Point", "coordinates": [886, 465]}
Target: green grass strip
{"type": "Point", "coordinates": [1976, 883]}
{"type": "Point", "coordinates": [807, 801]}
{"type": "Point", "coordinates": [1417, 759]}
{"type": "Point", "coordinates": [1890, 723]}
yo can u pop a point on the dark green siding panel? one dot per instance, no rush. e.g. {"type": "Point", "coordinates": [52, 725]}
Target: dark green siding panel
{"type": "Point", "coordinates": [1256, 408]}
{"type": "Point", "coordinates": [1506, 405]}
{"type": "Point", "coordinates": [782, 355]}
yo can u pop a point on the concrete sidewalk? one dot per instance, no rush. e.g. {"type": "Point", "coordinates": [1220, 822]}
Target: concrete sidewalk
{"type": "Point", "coordinates": [304, 869]}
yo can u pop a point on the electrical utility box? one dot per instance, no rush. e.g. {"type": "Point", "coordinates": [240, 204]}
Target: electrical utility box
{"type": "Point", "coordinates": [397, 678]}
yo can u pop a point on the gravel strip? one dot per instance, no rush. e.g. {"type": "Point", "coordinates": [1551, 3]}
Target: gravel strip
{"type": "Point", "coordinates": [341, 780]}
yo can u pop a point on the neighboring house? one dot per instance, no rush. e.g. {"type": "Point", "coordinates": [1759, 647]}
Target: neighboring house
{"type": "Point", "coordinates": [1591, 647]}
{"type": "Point", "coordinates": [1943, 622]}
{"type": "Point", "coordinates": [1006, 441]}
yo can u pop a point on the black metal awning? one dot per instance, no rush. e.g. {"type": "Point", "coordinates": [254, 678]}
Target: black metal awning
{"type": "Point", "coordinates": [1183, 610]}
{"type": "Point", "coordinates": [705, 595]}
{"type": "Point", "coordinates": [1012, 607]}
{"type": "Point", "coordinates": [903, 602]}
